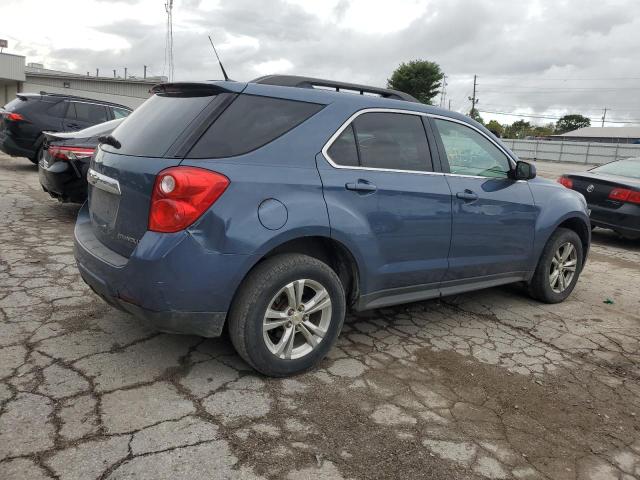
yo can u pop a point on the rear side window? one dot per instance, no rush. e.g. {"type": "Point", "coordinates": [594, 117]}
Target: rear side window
{"type": "Point", "coordinates": [90, 113]}
{"type": "Point", "coordinates": [249, 123]}
{"type": "Point", "coordinates": [152, 128]}
{"type": "Point", "coordinates": [120, 112]}
{"type": "Point", "coordinates": [393, 141]}
{"type": "Point", "coordinates": [13, 104]}
{"type": "Point", "coordinates": [58, 109]}
{"type": "Point", "coordinates": [344, 151]}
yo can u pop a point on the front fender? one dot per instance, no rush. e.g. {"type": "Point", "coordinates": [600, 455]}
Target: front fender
{"type": "Point", "coordinates": [556, 205]}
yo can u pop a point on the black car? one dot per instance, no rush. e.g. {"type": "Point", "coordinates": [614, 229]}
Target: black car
{"type": "Point", "coordinates": [23, 120]}
{"type": "Point", "coordinates": [65, 161]}
{"type": "Point", "coordinates": [613, 195]}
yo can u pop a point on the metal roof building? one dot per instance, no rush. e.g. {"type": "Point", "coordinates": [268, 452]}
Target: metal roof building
{"type": "Point", "coordinates": [16, 77]}
{"type": "Point", "coordinates": [602, 135]}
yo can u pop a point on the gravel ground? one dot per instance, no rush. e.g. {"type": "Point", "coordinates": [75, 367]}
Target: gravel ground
{"type": "Point", "coordinates": [484, 385]}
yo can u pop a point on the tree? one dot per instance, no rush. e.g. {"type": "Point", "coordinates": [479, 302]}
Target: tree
{"type": "Point", "coordinates": [518, 129]}
{"type": "Point", "coordinates": [495, 128]}
{"type": "Point", "coordinates": [476, 116]}
{"type": "Point", "coordinates": [419, 78]}
{"type": "Point", "coordinates": [571, 122]}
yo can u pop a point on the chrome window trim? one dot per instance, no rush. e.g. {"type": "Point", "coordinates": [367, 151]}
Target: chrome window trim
{"type": "Point", "coordinates": [103, 182]}
{"type": "Point", "coordinates": [333, 138]}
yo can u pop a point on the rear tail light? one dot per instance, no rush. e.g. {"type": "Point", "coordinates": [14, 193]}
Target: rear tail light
{"type": "Point", "coordinates": [625, 195]}
{"type": "Point", "coordinates": [14, 117]}
{"type": "Point", "coordinates": [70, 153]}
{"type": "Point", "coordinates": [566, 181]}
{"type": "Point", "coordinates": [181, 195]}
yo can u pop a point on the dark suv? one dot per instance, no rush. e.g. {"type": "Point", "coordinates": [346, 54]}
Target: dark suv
{"type": "Point", "coordinates": [274, 206]}
{"type": "Point", "coordinates": [23, 120]}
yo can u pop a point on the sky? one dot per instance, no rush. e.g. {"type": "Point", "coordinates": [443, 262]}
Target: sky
{"type": "Point", "coordinates": [538, 58]}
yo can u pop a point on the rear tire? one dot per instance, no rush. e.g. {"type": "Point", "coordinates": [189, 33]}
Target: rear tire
{"type": "Point", "coordinates": [280, 291]}
{"type": "Point", "coordinates": [555, 276]}
{"type": "Point", "coordinates": [36, 158]}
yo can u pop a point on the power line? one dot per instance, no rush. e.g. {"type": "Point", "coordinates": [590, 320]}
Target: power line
{"type": "Point", "coordinates": [549, 117]}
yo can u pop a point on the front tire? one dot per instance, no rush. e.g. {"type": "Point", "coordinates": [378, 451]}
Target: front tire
{"type": "Point", "coordinates": [559, 267]}
{"type": "Point", "coordinates": [287, 314]}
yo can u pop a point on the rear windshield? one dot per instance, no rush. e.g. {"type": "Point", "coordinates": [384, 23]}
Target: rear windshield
{"type": "Point", "coordinates": [249, 123]}
{"type": "Point", "coordinates": [153, 127]}
{"type": "Point", "coordinates": [100, 129]}
{"type": "Point", "coordinates": [629, 167]}
{"type": "Point", "coordinates": [10, 107]}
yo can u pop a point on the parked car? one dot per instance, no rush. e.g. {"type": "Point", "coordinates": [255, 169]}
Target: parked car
{"type": "Point", "coordinates": [613, 195]}
{"type": "Point", "coordinates": [64, 164]}
{"type": "Point", "coordinates": [274, 206]}
{"type": "Point", "coordinates": [24, 119]}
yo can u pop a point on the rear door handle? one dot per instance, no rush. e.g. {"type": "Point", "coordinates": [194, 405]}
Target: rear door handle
{"type": "Point", "coordinates": [361, 186]}
{"type": "Point", "coordinates": [467, 195]}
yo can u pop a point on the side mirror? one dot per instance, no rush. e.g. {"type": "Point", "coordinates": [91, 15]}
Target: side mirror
{"type": "Point", "coordinates": [524, 171]}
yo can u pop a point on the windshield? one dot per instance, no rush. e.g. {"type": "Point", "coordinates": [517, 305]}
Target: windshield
{"type": "Point", "coordinates": [629, 167]}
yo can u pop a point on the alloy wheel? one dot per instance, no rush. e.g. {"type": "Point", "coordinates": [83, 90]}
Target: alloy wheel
{"type": "Point", "coordinates": [297, 319]}
{"type": "Point", "coordinates": [563, 267]}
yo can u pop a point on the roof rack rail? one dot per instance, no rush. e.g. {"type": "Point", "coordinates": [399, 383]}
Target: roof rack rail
{"type": "Point", "coordinates": [76, 97]}
{"type": "Point", "coordinates": [308, 82]}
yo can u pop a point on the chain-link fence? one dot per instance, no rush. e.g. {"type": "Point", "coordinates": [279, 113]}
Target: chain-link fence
{"type": "Point", "coordinates": [592, 153]}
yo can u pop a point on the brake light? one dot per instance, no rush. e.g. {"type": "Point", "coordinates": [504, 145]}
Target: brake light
{"type": "Point", "coordinates": [70, 153]}
{"type": "Point", "coordinates": [181, 195]}
{"type": "Point", "coordinates": [566, 181]}
{"type": "Point", "coordinates": [624, 195]}
{"type": "Point", "coordinates": [14, 117]}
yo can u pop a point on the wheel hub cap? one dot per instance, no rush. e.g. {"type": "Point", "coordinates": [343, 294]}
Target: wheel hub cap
{"type": "Point", "coordinates": [563, 267]}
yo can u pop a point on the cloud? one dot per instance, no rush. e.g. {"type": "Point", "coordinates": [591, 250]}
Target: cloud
{"type": "Point", "coordinates": [545, 57]}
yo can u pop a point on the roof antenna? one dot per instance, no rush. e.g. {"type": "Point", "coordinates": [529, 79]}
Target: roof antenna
{"type": "Point", "coordinates": [226, 77]}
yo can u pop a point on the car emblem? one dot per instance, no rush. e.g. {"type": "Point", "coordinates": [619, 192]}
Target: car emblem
{"type": "Point", "coordinates": [591, 188]}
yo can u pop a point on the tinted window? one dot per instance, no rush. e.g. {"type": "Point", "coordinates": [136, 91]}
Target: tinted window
{"type": "Point", "coordinates": [120, 112]}
{"type": "Point", "coordinates": [470, 153]}
{"type": "Point", "coordinates": [392, 140]}
{"type": "Point", "coordinates": [16, 102]}
{"type": "Point", "coordinates": [249, 123]}
{"type": "Point", "coordinates": [343, 150]}
{"type": "Point", "coordinates": [90, 113]}
{"type": "Point", "coordinates": [629, 167]}
{"type": "Point", "coordinates": [152, 127]}
{"type": "Point", "coordinates": [58, 110]}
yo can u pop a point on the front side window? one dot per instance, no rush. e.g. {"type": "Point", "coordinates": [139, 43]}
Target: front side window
{"type": "Point", "coordinates": [249, 123]}
{"type": "Point", "coordinates": [470, 153]}
{"type": "Point", "coordinates": [381, 140]}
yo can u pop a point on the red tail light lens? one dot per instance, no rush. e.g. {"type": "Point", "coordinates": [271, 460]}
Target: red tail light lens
{"type": "Point", "coordinates": [70, 153]}
{"type": "Point", "coordinates": [181, 195]}
{"type": "Point", "coordinates": [566, 181]}
{"type": "Point", "coordinates": [624, 195]}
{"type": "Point", "coordinates": [14, 117]}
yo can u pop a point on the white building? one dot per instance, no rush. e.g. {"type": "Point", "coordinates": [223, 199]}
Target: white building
{"type": "Point", "coordinates": [16, 77]}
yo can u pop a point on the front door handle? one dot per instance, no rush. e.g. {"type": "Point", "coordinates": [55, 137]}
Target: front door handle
{"type": "Point", "coordinates": [467, 196]}
{"type": "Point", "coordinates": [361, 186]}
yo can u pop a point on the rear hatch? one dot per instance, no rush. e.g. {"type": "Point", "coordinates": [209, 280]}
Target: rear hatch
{"type": "Point", "coordinates": [154, 137]}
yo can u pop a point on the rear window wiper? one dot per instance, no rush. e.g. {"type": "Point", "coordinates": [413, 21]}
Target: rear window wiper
{"type": "Point", "coordinates": [109, 140]}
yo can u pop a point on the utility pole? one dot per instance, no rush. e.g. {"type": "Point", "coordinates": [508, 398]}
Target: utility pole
{"type": "Point", "coordinates": [114, 73]}
{"type": "Point", "coordinates": [97, 72]}
{"type": "Point", "coordinates": [604, 116]}
{"type": "Point", "coordinates": [145, 71]}
{"type": "Point", "coordinates": [125, 73]}
{"type": "Point", "coordinates": [474, 100]}
{"type": "Point", "coordinates": [449, 104]}
{"type": "Point", "coordinates": [443, 93]}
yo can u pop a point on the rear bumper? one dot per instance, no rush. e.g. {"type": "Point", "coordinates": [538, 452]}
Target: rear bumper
{"type": "Point", "coordinates": [65, 181]}
{"type": "Point", "coordinates": [10, 147]}
{"type": "Point", "coordinates": [624, 220]}
{"type": "Point", "coordinates": [170, 281]}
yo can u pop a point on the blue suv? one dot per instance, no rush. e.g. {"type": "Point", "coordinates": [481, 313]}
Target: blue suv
{"type": "Point", "coordinates": [275, 206]}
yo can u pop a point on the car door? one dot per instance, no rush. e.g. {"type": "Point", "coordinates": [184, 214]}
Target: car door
{"type": "Point", "coordinates": [493, 215]}
{"type": "Point", "coordinates": [387, 204]}
{"type": "Point", "coordinates": [84, 114]}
